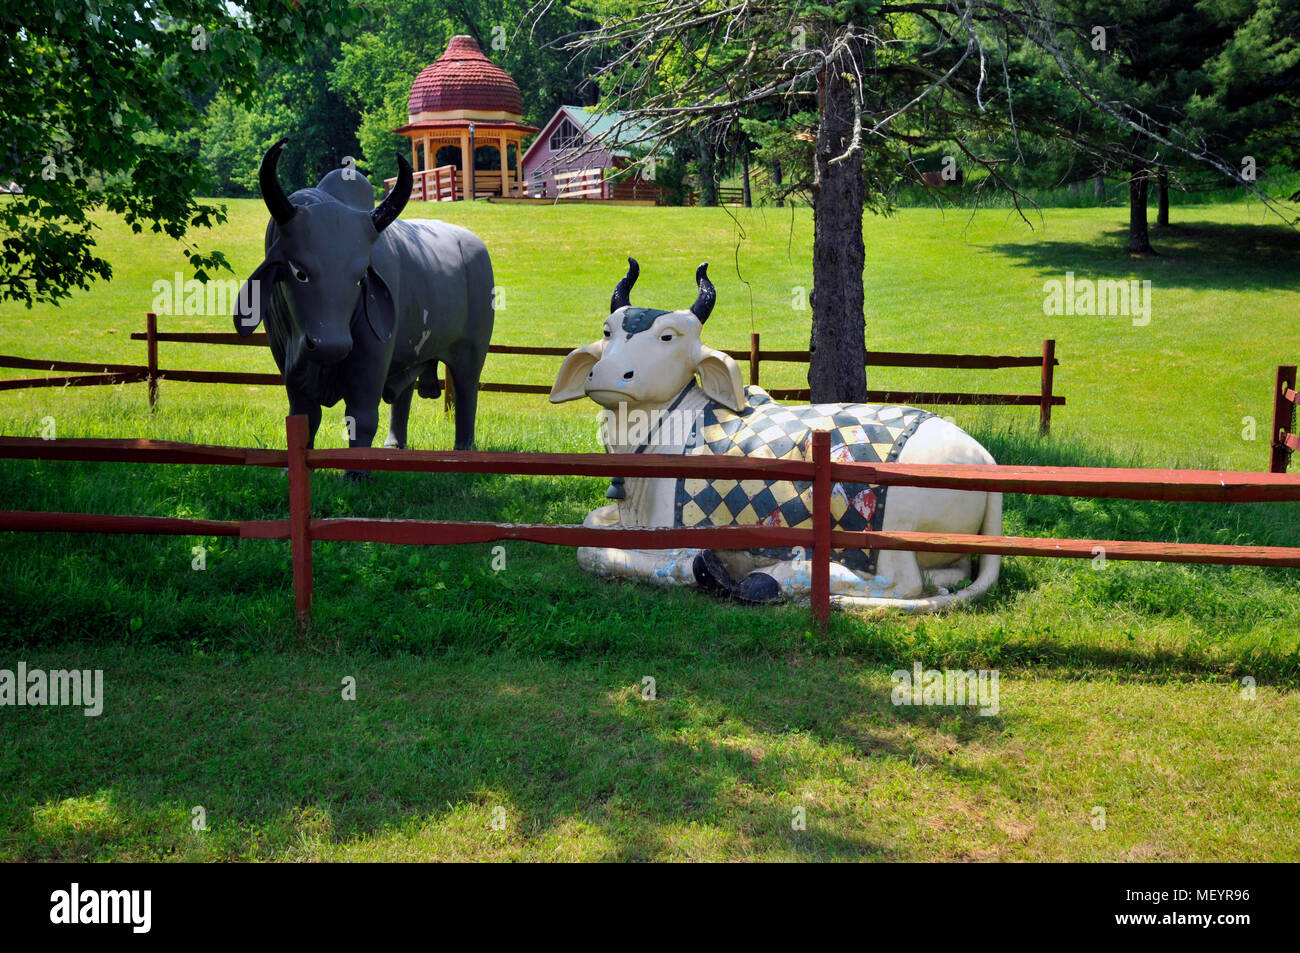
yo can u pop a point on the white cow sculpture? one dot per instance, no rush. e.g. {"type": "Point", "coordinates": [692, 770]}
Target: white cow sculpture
{"type": "Point", "coordinates": [643, 373]}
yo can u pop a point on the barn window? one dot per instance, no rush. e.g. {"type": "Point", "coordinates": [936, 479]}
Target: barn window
{"type": "Point", "coordinates": [566, 136]}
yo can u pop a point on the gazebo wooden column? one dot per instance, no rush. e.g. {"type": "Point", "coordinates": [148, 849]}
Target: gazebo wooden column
{"type": "Point", "coordinates": [505, 165]}
{"type": "Point", "coordinates": [466, 164]}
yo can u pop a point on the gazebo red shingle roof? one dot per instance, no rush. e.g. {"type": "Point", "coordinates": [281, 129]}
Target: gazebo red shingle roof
{"type": "Point", "coordinates": [464, 78]}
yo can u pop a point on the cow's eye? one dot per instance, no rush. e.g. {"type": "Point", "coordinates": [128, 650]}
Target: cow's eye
{"type": "Point", "coordinates": [607, 332]}
{"type": "Point", "coordinates": [667, 337]}
{"type": "Point", "coordinates": [298, 272]}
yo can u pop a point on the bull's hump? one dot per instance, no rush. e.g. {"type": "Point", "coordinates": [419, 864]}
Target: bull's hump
{"type": "Point", "coordinates": [349, 187]}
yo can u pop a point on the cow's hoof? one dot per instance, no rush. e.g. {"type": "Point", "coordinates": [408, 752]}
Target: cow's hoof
{"type": "Point", "coordinates": [758, 588]}
{"type": "Point", "coordinates": [710, 574]}
{"type": "Point", "coordinates": [356, 476]}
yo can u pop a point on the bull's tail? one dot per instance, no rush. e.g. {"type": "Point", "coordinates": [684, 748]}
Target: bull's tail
{"type": "Point", "coordinates": [990, 566]}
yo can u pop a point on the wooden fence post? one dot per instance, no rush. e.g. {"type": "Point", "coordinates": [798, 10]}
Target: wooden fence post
{"type": "Point", "coordinates": [300, 517]}
{"type": "Point", "coordinates": [151, 350]}
{"type": "Point", "coordinates": [1045, 394]}
{"type": "Point", "coordinates": [821, 516]}
{"type": "Point", "coordinates": [753, 358]}
{"type": "Point", "coordinates": [1283, 417]}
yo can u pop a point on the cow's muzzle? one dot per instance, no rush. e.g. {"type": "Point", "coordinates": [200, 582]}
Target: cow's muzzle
{"type": "Point", "coordinates": [326, 350]}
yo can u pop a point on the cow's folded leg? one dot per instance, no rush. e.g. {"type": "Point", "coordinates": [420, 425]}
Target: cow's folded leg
{"type": "Point", "coordinates": [602, 516]}
{"type": "Point", "coordinates": [710, 574]}
{"type": "Point", "coordinates": [898, 574]}
{"type": "Point", "coordinates": [758, 587]}
{"type": "Point", "coordinates": [664, 567]}
{"type": "Point", "coordinates": [794, 578]}
{"type": "Point", "coordinates": [948, 577]}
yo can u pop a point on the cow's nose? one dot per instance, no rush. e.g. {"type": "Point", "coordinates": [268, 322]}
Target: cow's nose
{"type": "Point", "coordinates": [627, 376]}
{"type": "Point", "coordinates": [326, 350]}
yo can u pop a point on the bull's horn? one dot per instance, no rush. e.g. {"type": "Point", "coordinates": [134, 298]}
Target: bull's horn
{"type": "Point", "coordinates": [704, 303]}
{"type": "Point", "coordinates": [621, 297]}
{"type": "Point", "coordinates": [396, 200]}
{"type": "Point", "coordinates": [277, 202]}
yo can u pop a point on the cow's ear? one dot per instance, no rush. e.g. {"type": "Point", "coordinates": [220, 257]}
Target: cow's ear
{"type": "Point", "coordinates": [720, 378]}
{"type": "Point", "coordinates": [381, 312]}
{"type": "Point", "coordinates": [570, 383]}
{"type": "Point", "coordinates": [255, 297]}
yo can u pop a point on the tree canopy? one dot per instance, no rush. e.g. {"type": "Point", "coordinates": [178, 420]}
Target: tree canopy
{"type": "Point", "coordinates": [102, 109]}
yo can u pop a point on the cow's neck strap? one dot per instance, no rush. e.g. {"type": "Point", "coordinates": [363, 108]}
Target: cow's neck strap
{"type": "Point", "coordinates": [677, 402]}
{"type": "Point", "coordinates": [616, 490]}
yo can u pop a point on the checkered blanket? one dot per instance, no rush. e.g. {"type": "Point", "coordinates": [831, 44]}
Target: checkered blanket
{"type": "Point", "coordinates": [860, 433]}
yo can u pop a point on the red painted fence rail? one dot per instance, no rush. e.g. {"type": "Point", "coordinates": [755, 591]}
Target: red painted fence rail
{"type": "Point", "coordinates": [302, 530]}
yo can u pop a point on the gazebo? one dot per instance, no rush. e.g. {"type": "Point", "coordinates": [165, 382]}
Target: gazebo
{"type": "Point", "coordinates": [466, 103]}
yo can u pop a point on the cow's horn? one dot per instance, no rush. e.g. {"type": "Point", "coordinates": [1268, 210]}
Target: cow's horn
{"type": "Point", "coordinates": [277, 202]}
{"type": "Point", "coordinates": [704, 303]}
{"type": "Point", "coordinates": [621, 297]}
{"type": "Point", "coordinates": [396, 200]}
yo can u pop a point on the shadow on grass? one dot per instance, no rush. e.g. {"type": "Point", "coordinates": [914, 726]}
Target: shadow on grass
{"type": "Point", "coordinates": [726, 751]}
{"type": "Point", "coordinates": [1196, 254]}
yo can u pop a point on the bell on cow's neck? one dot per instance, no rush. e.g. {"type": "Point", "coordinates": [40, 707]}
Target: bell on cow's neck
{"type": "Point", "coordinates": [615, 491]}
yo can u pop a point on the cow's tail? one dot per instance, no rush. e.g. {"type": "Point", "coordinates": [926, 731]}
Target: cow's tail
{"type": "Point", "coordinates": [990, 567]}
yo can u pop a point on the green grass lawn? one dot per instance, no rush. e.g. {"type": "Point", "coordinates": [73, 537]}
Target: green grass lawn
{"type": "Point", "coordinates": [521, 689]}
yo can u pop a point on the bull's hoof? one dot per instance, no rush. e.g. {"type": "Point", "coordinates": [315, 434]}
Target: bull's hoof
{"type": "Point", "coordinates": [758, 588]}
{"type": "Point", "coordinates": [710, 574]}
{"type": "Point", "coordinates": [356, 476]}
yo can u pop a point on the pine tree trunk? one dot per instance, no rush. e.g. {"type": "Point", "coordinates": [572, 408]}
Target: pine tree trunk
{"type": "Point", "coordinates": [708, 171]}
{"type": "Point", "coordinates": [744, 171]}
{"type": "Point", "coordinates": [1139, 236]}
{"type": "Point", "coordinates": [1098, 187]}
{"type": "Point", "coordinates": [1162, 216]}
{"type": "Point", "coordinates": [776, 181]}
{"type": "Point", "coordinates": [837, 370]}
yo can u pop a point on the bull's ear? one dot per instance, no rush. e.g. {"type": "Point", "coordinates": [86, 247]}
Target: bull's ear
{"type": "Point", "coordinates": [720, 379]}
{"type": "Point", "coordinates": [570, 383]}
{"type": "Point", "coordinates": [381, 313]}
{"type": "Point", "coordinates": [255, 297]}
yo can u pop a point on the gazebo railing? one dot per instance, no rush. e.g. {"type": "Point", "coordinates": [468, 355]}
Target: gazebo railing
{"type": "Point", "coordinates": [430, 185]}
{"type": "Point", "coordinates": [439, 185]}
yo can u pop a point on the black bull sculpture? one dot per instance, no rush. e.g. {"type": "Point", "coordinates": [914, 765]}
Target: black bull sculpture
{"type": "Point", "coordinates": [360, 306]}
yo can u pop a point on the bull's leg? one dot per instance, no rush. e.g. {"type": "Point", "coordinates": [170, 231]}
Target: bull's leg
{"type": "Point", "coordinates": [365, 421]}
{"type": "Point", "coordinates": [301, 404]}
{"type": "Point", "coordinates": [399, 418]}
{"type": "Point", "coordinates": [466, 365]}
